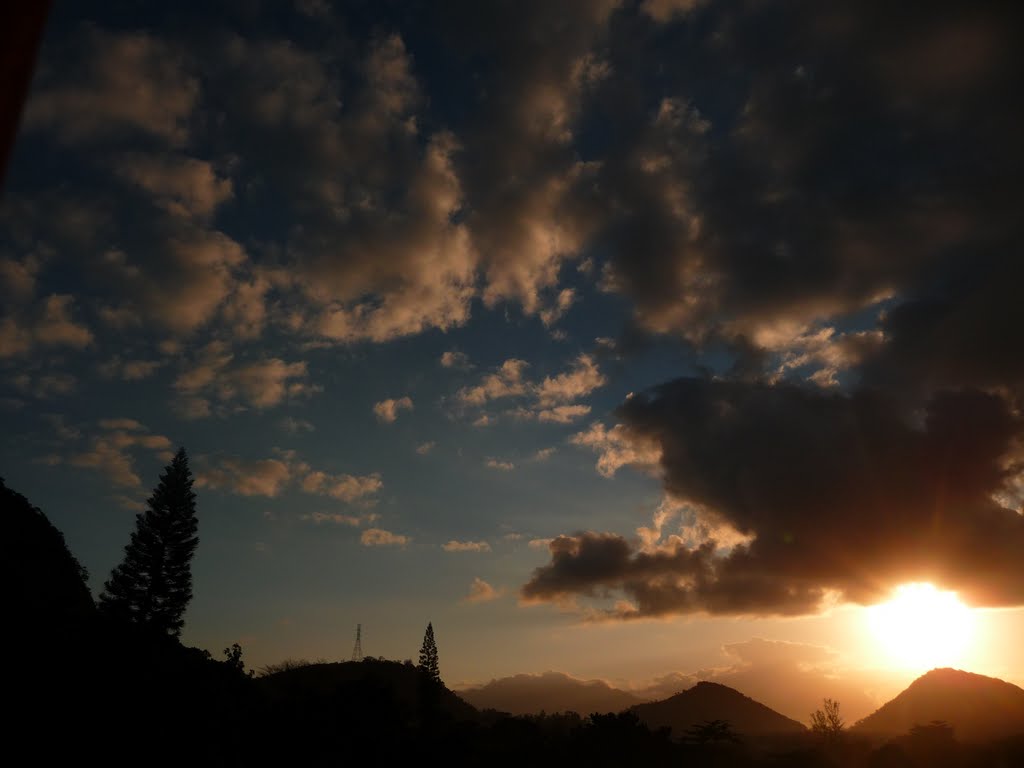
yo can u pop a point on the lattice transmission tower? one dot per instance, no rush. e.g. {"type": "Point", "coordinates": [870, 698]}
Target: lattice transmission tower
{"type": "Point", "coordinates": [357, 652]}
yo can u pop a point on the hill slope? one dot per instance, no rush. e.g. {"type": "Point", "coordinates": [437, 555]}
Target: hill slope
{"type": "Point", "coordinates": [550, 692]}
{"type": "Point", "coordinates": [979, 708]}
{"type": "Point", "coordinates": [386, 685]}
{"type": "Point", "coordinates": [711, 701]}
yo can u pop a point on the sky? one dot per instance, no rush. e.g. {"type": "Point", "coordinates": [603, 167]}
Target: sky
{"type": "Point", "coordinates": [623, 339]}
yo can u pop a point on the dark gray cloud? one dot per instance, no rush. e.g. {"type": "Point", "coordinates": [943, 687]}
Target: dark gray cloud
{"type": "Point", "coordinates": [806, 160]}
{"type": "Point", "coordinates": [842, 495]}
{"type": "Point", "coordinates": [835, 204]}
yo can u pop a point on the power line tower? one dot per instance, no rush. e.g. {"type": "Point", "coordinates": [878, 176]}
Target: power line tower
{"type": "Point", "coordinates": [357, 652]}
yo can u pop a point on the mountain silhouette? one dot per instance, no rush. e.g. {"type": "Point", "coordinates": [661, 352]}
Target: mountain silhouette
{"type": "Point", "coordinates": [711, 701]}
{"type": "Point", "coordinates": [549, 692]}
{"type": "Point", "coordinates": [979, 708]}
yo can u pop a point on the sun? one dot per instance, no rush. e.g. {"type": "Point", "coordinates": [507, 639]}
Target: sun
{"type": "Point", "coordinates": [922, 628]}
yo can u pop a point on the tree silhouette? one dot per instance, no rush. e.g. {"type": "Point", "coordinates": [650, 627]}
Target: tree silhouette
{"type": "Point", "coordinates": [827, 722]}
{"type": "Point", "coordinates": [428, 656]}
{"type": "Point", "coordinates": [153, 584]}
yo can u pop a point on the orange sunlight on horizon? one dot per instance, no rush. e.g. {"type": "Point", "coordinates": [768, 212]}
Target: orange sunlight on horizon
{"type": "Point", "coordinates": [921, 628]}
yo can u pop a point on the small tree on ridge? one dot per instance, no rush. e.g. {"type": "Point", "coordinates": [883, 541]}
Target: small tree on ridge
{"type": "Point", "coordinates": [428, 656]}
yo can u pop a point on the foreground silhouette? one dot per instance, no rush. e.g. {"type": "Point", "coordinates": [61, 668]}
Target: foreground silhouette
{"type": "Point", "coordinates": [87, 687]}
{"type": "Point", "coordinates": [153, 584]}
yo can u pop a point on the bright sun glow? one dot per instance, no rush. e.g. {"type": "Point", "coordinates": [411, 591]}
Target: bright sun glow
{"type": "Point", "coordinates": [921, 628]}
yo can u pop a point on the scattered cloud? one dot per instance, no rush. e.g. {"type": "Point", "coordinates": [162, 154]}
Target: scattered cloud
{"type": "Point", "coordinates": [481, 592]}
{"type": "Point", "coordinates": [216, 376]}
{"type": "Point", "coordinates": [337, 518]}
{"type": "Point", "coordinates": [617, 448]}
{"type": "Point", "coordinates": [387, 411]}
{"type": "Point", "coordinates": [378, 537]}
{"type": "Point", "coordinates": [466, 546]}
{"type": "Point", "coordinates": [130, 503]}
{"type": "Point", "coordinates": [424, 448]}
{"type": "Point", "coordinates": [504, 466]}
{"type": "Point", "coordinates": [453, 358]}
{"type": "Point", "coordinates": [183, 186]}
{"type": "Point", "coordinates": [125, 82]}
{"type": "Point", "coordinates": [295, 426]}
{"type": "Point", "coordinates": [507, 381]}
{"type": "Point", "coordinates": [113, 450]}
{"type": "Point", "coordinates": [544, 454]}
{"type": "Point", "coordinates": [129, 370]}
{"type": "Point", "coordinates": [342, 487]}
{"type": "Point", "coordinates": [552, 397]}
{"type": "Point", "coordinates": [270, 477]}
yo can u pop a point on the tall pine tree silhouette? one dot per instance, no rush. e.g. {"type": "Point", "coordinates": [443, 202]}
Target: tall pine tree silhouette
{"type": "Point", "coordinates": [153, 584]}
{"type": "Point", "coordinates": [428, 656]}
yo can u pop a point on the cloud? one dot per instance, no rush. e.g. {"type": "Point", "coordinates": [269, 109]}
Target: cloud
{"type": "Point", "coordinates": [46, 385]}
{"type": "Point", "coordinates": [129, 503]}
{"type": "Point", "coordinates": [666, 10]}
{"type": "Point", "coordinates": [563, 301]}
{"type": "Point", "coordinates": [481, 592]}
{"type": "Point", "coordinates": [559, 414]}
{"type": "Point", "coordinates": [521, 169]}
{"type": "Point", "coordinates": [466, 546]}
{"type": "Point", "coordinates": [129, 370]}
{"type": "Point", "coordinates": [295, 426]}
{"type": "Point", "coordinates": [580, 381]}
{"type": "Point", "coordinates": [56, 328]}
{"type": "Point", "coordinates": [617, 448]}
{"type": "Point", "coordinates": [123, 83]}
{"type": "Point", "coordinates": [544, 454]}
{"type": "Point", "coordinates": [505, 466]}
{"type": "Point", "coordinates": [264, 477]}
{"type": "Point", "coordinates": [270, 478]}
{"type": "Point", "coordinates": [130, 425]}
{"type": "Point", "coordinates": [539, 543]}
{"type": "Point", "coordinates": [181, 185]}
{"type": "Point", "coordinates": [204, 266]}
{"type": "Point", "coordinates": [424, 448]}
{"type": "Point", "coordinates": [353, 521]}
{"type": "Point", "coordinates": [214, 374]}
{"type": "Point", "coordinates": [387, 411]}
{"type": "Point", "coordinates": [507, 381]}
{"type": "Point", "coordinates": [51, 326]}
{"type": "Point", "coordinates": [453, 358]}
{"type": "Point", "coordinates": [112, 451]}
{"type": "Point", "coordinates": [552, 397]}
{"type": "Point", "coordinates": [838, 496]}
{"type": "Point", "coordinates": [342, 487]}
{"type": "Point", "coordinates": [377, 537]}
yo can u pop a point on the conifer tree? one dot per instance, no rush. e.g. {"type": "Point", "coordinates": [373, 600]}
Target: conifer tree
{"type": "Point", "coordinates": [428, 656]}
{"type": "Point", "coordinates": [153, 584]}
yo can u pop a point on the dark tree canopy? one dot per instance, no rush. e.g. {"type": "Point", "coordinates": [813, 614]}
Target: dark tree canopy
{"type": "Point", "coordinates": [153, 584]}
{"type": "Point", "coordinates": [428, 656]}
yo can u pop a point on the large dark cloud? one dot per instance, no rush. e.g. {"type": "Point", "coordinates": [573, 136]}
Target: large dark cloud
{"type": "Point", "coordinates": [828, 189]}
{"type": "Point", "coordinates": [804, 160]}
{"type": "Point", "coordinates": [843, 495]}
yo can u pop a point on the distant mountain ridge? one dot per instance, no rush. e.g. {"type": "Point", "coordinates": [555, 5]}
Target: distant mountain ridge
{"type": "Point", "coordinates": [979, 708]}
{"type": "Point", "coordinates": [548, 692]}
{"type": "Point", "coordinates": [712, 701]}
